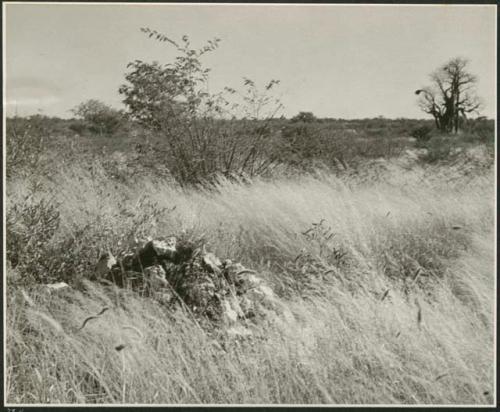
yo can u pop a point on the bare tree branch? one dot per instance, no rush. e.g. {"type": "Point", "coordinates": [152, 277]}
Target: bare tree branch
{"type": "Point", "coordinates": [451, 95]}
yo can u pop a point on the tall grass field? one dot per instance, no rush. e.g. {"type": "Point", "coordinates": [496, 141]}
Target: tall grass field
{"type": "Point", "coordinates": [386, 279]}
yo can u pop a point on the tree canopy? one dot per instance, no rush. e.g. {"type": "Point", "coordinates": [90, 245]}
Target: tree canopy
{"type": "Point", "coordinates": [451, 95]}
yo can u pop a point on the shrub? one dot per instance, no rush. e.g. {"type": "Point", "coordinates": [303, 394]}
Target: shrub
{"type": "Point", "coordinates": [306, 117]}
{"type": "Point", "coordinates": [482, 129]}
{"type": "Point", "coordinates": [24, 145]}
{"type": "Point", "coordinates": [307, 144]}
{"type": "Point", "coordinates": [422, 134]}
{"type": "Point", "coordinates": [98, 117]}
{"type": "Point", "coordinates": [79, 127]}
{"type": "Point", "coordinates": [439, 148]}
{"type": "Point", "coordinates": [30, 225]}
{"type": "Point", "coordinates": [201, 129]}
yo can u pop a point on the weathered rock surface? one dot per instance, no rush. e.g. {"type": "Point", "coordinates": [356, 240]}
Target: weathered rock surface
{"type": "Point", "coordinates": [105, 263]}
{"type": "Point", "coordinates": [218, 293]}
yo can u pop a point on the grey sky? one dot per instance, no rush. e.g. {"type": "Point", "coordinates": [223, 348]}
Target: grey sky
{"type": "Point", "coordinates": [336, 61]}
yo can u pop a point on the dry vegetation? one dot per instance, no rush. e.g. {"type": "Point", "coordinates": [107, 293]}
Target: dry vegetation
{"type": "Point", "coordinates": [387, 272]}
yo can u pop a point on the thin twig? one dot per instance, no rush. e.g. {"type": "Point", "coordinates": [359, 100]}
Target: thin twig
{"type": "Point", "coordinates": [93, 317]}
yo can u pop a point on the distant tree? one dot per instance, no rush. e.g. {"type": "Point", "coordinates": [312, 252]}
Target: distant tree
{"type": "Point", "coordinates": [451, 96]}
{"type": "Point", "coordinates": [99, 117]}
{"type": "Point", "coordinates": [306, 117]}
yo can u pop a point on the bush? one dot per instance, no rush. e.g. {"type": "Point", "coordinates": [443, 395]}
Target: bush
{"type": "Point", "coordinates": [98, 118]}
{"type": "Point", "coordinates": [79, 127]}
{"type": "Point", "coordinates": [307, 144]}
{"type": "Point", "coordinates": [204, 137]}
{"type": "Point", "coordinates": [422, 134]}
{"type": "Point", "coordinates": [306, 117]}
{"type": "Point", "coordinates": [30, 225]}
{"type": "Point", "coordinates": [483, 130]}
{"type": "Point", "coordinates": [25, 144]}
{"type": "Point", "coordinates": [439, 148]}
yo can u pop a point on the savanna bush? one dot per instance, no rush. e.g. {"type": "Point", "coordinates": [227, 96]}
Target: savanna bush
{"type": "Point", "coordinates": [31, 224]}
{"type": "Point", "coordinates": [304, 145]}
{"type": "Point", "coordinates": [25, 142]}
{"type": "Point", "coordinates": [43, 248]}
{"type": "Point", "coordinates": [97, 117]}
{"type": "Point", "coordinates": [422, 134]}
{"type": "Point", "coordinates": [481, 130]}
{"type": "Point", "coordinates": [439, 148]}
{"type": "Point", "coordinates": [207, 134]}
{"type": "Point", "coordinates": [80, 127]}
{"type": "Point", "coordinates": [306, 117]}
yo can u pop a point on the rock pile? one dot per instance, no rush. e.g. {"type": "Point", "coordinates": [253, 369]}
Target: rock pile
{"type": "Point", "coordinates": [217, 292]}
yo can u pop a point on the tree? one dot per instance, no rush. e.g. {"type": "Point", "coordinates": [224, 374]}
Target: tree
{"type": "Point", "coordinates": [202, 130]}
{"type": "Point", "coordinates": [155, 93]}
{"type": "Point", "coordinates": [152, 92]}
{"type": "Point", "coordinates": [306, 117]}
{"type": "Point", "coordinates": [451, 96]}
{"type": "Point", "coordinates": [100, 118]}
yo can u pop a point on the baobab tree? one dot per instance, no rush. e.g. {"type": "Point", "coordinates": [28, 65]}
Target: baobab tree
{"type": "Point", "coordinates": [451, 96]}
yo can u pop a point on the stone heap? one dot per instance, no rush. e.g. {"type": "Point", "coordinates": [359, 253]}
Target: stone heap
{"type": "Point", "coordinates": [217, 292]}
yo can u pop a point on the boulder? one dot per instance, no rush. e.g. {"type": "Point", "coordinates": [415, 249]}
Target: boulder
{"type": "Point", "coordinates": [55, 287]}
{"type": "Point", "coordinates": [218, 293]}
{"type": "Point", "coordinates": [166, 248]}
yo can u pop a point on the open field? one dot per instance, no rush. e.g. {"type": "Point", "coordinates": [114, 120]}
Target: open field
{"type": "Point", "coordinates": [387, 275]}
{"type": "Point", "coordinates": [250, 204]}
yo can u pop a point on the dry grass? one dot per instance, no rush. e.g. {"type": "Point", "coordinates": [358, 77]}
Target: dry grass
{"type": "Point", "coordinates": [391, 293]}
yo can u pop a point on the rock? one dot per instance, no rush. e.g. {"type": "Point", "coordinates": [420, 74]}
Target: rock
{"type": "Point", "coordinates": [231, 271]}
{"type": "Point", "coordinates": [212, 262]}
{"type": "Point", "coordinates": [165, 247]}
{"type": "Point", "coordinates": [146, 256]}
{"type": "Point", "coordinates": [156, 277]}
{"type": "Point", "coordinates": [155, 271]}
{"type": "Point", "coordinates": [125, 278]}
{"type": "Point", "coordinates": [152, 253]}
{"type": "Point", "coordinates": [105, 263]}
{"type": "Point", "coordinates": [218, 293]}
{"type": "Point", "coordinates": [127, 261]}
{"type": "Point", "coordinates": [246, 280]}
{"type": "Point", "coordinates": [57, 286]}
{"type": "Point", "coordinates": [54, 287]}
{"type": "Point", "coordinates": [201, 295]}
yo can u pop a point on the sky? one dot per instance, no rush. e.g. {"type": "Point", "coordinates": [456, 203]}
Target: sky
{"type": "Point", "coordinates": [340, 61]}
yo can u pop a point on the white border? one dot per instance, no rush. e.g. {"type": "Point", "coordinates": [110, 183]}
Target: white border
{"type": "Point", "coordinates": [14, 405]}
{"type": "Point", "coordinates": [105, 3]}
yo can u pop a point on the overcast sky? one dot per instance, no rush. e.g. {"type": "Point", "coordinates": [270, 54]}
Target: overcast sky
{"type": "Point", "coordinates": [336, 61]}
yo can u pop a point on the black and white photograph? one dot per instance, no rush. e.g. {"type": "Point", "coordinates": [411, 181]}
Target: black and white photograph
{"type": "Point", "coordinates": [249, 204]}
